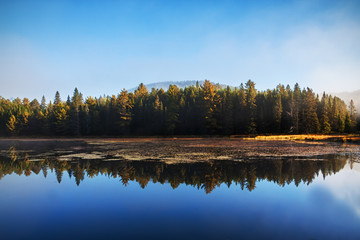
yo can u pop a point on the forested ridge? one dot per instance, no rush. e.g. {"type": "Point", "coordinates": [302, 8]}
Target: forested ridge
{"type": "Point", "coordinates": [195, 110]}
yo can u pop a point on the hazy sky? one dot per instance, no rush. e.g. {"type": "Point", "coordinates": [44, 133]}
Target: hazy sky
{"type": "Point", "coordinates": [104, 46]}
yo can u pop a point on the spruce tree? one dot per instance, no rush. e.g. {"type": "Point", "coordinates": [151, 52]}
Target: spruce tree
{"type": "Point", "coordinates": [277, 112]}
{"type": "Point", "coordinates": [325, 126]}
{"type": "Point", "coordinates": [74, 118]}
{"type": "Point", "coordinates": [347, 124]}
{"type": "Point", "coordinates": [297, 107]}
{"type": "Point", "coordinates": [352, 113]}
{"type": "Point", "coordinates": [57, 99]}
{"type": "Point", "coordinates": [250, 107]}
{"type": "Point", "coordinates": [172, 108]}
{"type": "Point", "coordinates": [207, 94]}
{"type": "Point", "coordinates": [310, 118]}
{"type": "Point", "coordinates": [123, 110]}
{"type": "Point", "coordinates": [43, 103]}
{"type": "Point", "coordinates": [340, 124]}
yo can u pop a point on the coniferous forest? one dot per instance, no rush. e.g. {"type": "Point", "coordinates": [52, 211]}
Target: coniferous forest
{"type": "Point", "coordinates": [205, 109]}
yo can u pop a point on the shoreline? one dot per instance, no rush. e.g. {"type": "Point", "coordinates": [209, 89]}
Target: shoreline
{"type": "Point", "coordinates": [353, 138]}
{"type": "Point", "coordinates": [172, 150]}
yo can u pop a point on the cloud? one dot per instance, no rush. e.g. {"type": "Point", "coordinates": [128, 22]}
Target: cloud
{"type": "Point", "coordinates": [326, 58]}
{"type": "Point", "coordinates": [345, 186]}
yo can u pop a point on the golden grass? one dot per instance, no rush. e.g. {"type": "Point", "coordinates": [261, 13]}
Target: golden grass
{"type": "Point", "coordinates": [308, 137]}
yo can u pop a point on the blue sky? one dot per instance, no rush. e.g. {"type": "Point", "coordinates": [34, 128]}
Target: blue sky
{"type": "Point", "coordinates": [102, 47]}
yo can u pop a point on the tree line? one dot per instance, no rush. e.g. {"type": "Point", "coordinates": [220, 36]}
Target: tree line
{"type": "Point", "coordinates": [194, 110]}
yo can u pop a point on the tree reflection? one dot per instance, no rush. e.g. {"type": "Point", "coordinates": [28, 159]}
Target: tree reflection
{"type": "Point", "coordinates": [202, 175]}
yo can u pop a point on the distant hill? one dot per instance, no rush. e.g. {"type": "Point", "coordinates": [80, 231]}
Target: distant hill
{"type": "Point", "coordinates": [347, 96]}
{"type": "Point", "coordinates": [180, 84]}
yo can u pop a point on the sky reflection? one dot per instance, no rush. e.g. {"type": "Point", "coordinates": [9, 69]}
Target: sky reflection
{"type": "Point", "coordinates": [103, 207]}
{"type": "Point", "coordinates": [344, 186]}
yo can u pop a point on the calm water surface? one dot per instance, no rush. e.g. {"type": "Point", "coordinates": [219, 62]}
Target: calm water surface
{"type": "Point", "coordinates": [249, 199]}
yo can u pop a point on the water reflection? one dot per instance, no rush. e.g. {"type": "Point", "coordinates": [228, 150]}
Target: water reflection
{"type": "Point", "coordinates": [202, 175]}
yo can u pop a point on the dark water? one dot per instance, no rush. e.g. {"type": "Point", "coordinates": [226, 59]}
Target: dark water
{"type": "Point", "coordinates": [249, 199]}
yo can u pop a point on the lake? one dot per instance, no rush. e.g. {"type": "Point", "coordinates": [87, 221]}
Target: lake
{"type": "Point", "coordinates": [82, 190]}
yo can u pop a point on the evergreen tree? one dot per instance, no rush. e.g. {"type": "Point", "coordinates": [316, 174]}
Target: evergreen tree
{"type": "Point", "coordinates": [140, 113]}
{"type": "Point", "coordinates": [207, 96]}
{"type": "Point", "coordinates": [68, 101]}
{"type": "Point", "coordinates": [74, 116]}
{"type": "Point", "coordinates": [239, 110]}
{"type": "Point", "coordinates": [227, 113]}
{"type": "Point", "coordinates": [43, 103]}
{"type": "Point", "coordinates": [57, 99]}
{"type": "Point", "coordinates": [296, 108]}
{"type": "Point", "coordinates": [340, 124]}
{"type": "Point", "coordinates": [347, 124]}
{"type": "Point", "coordinates": [310, 118]}
{"type": "Point", "coordinates": [87, 121]}
{"type": "Point", "coordinates": [352, 117]}
{"type": "Point", "coordinates": [277, 112]}
{"type": "Point", "coordinates": [172, 108]}
{"type": "Point", "coordinates": [250, 107]}
{"type": "Point", "coordinates": [124, 107]}
{"type": "Point", "coordinates": [60, 123]}
{"type": "Point", "coordinates": [325, 126]}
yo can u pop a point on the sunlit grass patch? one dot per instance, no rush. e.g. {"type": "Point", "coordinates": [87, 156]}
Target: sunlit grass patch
{"type": "Point", "coordinates": [308, 137]}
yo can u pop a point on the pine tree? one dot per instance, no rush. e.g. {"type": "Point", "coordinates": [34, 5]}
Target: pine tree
{"type": "Point", "coordinates": [207, 96]}
{"type": "Point", "coordinates": [60, 113]}
{"type": "Point", "coordinates": [250, 107]}
{"type": "Point", "coordinates": [228, 112]}
{"type": "Point", "coordinates": [57, 99]}
{"type": "Point", "coordinates": [43, 103]}
{"type": "Point", "coordinates": [74, 118]}
{"type": "Point", "coordinates": [286, 101]}
{"type": "Point", "coordinates": [277, 112]}
{"type": "Point", "coordinates": [352, 113]}
{"type": "Point", "coordinates": [310, 118]}
{"type": "Point", "coordinates": [123, 109]}
{"type": "Point", "coordinates": [158, 115]}
{"type": "Point", "coordinates": [296, 108]}
{"type": "Point", "coordinates": [347, 124]}
{"type": "Point", "coordinates": [340, 124]}
{"type": "Point", "coordinates": [172, 108]}
{"type": "Point", "coordinates": [77, 98]}
{"type": "Point", "coordinates": [140, 110]}
{"type": "Point", "coordinates": [217, 117]}
{"type": "Point", "coordinates": [68, 101]}
{"type": "Point", "coordinates": [87, 120]}
{"type": "Point", "coordinates": [239, 110]}
{"type": "Point", "coordinates": [34, 104]}
{"type": "Point", "coordinates": [325, 126]}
